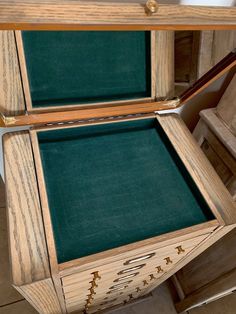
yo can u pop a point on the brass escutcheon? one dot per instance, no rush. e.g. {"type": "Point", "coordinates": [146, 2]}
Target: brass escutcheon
{"type": "Point", "coordinates": [151, 7]}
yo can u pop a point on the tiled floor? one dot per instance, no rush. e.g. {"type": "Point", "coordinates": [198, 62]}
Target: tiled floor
{"type": "Point", "coordinates": [161, 302]}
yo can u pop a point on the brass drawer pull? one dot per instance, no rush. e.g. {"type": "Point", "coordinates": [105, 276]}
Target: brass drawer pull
{"type": "Point", "coordinates": [121, 288]}
{"type": "Point", "coordinates": [120, 285]}
{"type": "Point", "coordinates": [151, 7]}
{"type": "Point", "coordinates": [139, 259]}
{"type": "Point", "coordinates": [128, 270]}
{"type": "Point", "coordinates": [126, 277]}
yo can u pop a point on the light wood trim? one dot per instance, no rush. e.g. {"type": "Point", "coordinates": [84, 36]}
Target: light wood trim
{"type": "Point", "coordinates": [47, 220]}
{"type": "Point", "coordinates": [202, 172]}
{"type": "Point", "coordinates": [224, 283]}
{"type": "Point", "coordinates": [23, 69]}
{"type": "Point", "coordinates": [28, 249]}
{"type": "Point", "coordinates": [42, 296]}
{"type": "Point", "coordinates": [11, 94]}
{"type": "Point", "coordinates": [165, 64]}
{"type": "Point", "coordinates": [73, 15]}
{"type": "Point", "coordinates": [211, 239]}
{"type": "Point", "coordinates": [137, 248]}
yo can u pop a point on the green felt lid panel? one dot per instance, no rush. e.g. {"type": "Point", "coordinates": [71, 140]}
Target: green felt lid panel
{"type": "Point", "coordinates": [66, 67]}
{"type": "Point", "coordinates": [113, 184]}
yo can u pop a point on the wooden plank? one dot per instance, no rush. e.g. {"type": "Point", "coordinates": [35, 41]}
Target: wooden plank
{"type": "Point", "coordinates": [226, 282]}
{"type": "Point", "coordinates": [11, 93]}
{"type": "Point", "coordinates": [91, 113]}
{"type": "Point", "coordinates": [42, 296]}
{"type": "Point", "coordinates": [28, 248]}
{"type": "Point", "coordinates": [217, 260]}
{"type": "Point", "coordinates": [165, 64]}
{"type": "Point", "coordinates": [47, 221]}
{"type": "Point", "coordinates": [51, 14]}
{"type": "Point", "coordinates": [226, 108]}
{"type": "Point", "coordinates": [214, 46]}
{"type": "Point", "coordinates": [203, 174]}
{"type": "Point", "coordinates": [219, 129]}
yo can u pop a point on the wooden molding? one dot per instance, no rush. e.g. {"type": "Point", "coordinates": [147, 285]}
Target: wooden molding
{"type": "Point", "coordinates": [111, 15]}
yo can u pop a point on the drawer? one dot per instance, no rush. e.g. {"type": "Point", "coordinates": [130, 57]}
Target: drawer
{"type": "Point", "coordinates": [125, 277]}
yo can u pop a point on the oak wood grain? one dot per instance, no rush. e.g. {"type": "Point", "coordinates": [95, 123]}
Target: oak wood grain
{"type": "Point", "coordinates": [42, 296]}
{"type": "Point", "coordinates": [51, 14]}
{"type": "Point", "coordinates": [28, 249]}
{"type": "Point", "coordinates": [11, 93]}
{"type": "Point", "coordinates": [202, 172]}
{"type": "Point", "coordinates": [165, 64]}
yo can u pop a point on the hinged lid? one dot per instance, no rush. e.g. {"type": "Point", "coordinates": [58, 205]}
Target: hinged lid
{"type": "Point", "coordinates": [67, 77]}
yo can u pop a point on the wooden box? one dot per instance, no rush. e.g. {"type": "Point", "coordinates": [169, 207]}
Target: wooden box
{"type": "Point", "coordinates": [106, 196]}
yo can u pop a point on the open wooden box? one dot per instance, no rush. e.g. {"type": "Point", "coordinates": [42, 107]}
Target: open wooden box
{"type": "Point", "coordinates": [107, 197]}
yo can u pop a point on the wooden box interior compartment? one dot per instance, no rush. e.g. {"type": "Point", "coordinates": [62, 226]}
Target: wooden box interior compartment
{"type": "Point", "coordinates": [103, 210]}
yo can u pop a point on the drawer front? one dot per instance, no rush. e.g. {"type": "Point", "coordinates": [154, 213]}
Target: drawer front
{"type": "Point", "coordinates": [124, 280]}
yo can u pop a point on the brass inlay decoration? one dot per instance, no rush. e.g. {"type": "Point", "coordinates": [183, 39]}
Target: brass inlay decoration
{"type": "Point", "coordinates": [159, 269]}
{"type": "Point", "coordinates": [180, 249]}
{"type": "Point", "coordinates": [120, 285]}
{"type": "Point", "coordinates": [145, 283]}
{"type": "Point", "coordinates": [126, 277]}
{"type": "Point", "coordinates": [130, 297]}
{"type": "Point", "coordinates": [151, 7]}
{"type": "Point", "coordinates": [140, 258]}
{"type": "Point", "coordinates": [94, 285]}
{"type": "Point", "coordinates": [128, 270]}
{"type": "Point", "coordinates": [138, 289]}
{"type": "Point", "coordinates": [152, 277]}
{"type": "Point", "coordinates": [168, 260]}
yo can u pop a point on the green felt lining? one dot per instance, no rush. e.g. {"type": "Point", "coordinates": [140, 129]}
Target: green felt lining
{"type": "Point", "coordinates": [75, 67]}
{"type": "Point", "coordinates": [113, 184]}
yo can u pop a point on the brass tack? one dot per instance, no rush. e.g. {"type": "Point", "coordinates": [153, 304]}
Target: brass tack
{"type": "Point", "coordinates": [168, 260]}
{"type": "Point", "coordinates": [145, 283]}
{"type": "Point", "coordinates": [159, 269]}
{"type": "Point", "coordinates": [180, 249]}
{"type": "Point", "coordinates": [152, 277]}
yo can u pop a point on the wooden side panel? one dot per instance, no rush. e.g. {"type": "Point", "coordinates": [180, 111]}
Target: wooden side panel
{"type": "Point", "coordinates": [214, 46]}
{"type": "Point", "coordinates": [42, 296]}
{"type": "Point", "coordinates": [218, 260]}
{"type": "Point", "coordinates": [164, 64]}
{"type": "Point", "coordinates": [11, 93]}
{"type": "Point", "coordinates": [208, 182]}
{"type": "Point", "coordinates": [28, 249]}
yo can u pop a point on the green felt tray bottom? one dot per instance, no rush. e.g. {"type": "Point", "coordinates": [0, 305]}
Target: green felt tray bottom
{"type": "Point", "coordinates": [67, 68]}
{"type": "Point", "coordinates": [114, 184]}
